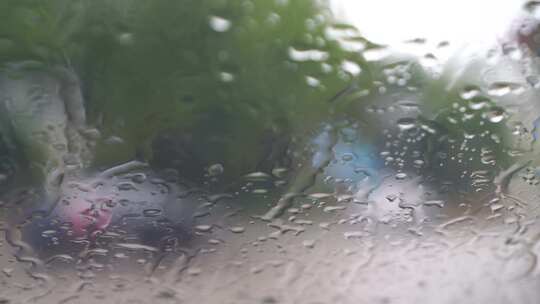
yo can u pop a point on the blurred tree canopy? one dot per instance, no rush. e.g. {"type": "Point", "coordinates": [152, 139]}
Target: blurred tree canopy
{"type": "Point", "coordinates": [219, 72]}
{"type": "Point", "coordinates": [226, 81]}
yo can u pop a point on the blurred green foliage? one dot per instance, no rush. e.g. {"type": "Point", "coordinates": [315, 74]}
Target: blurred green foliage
{"type": "Point", "coordinates": [221, 76]}
{"type": "Point", "coordinates": [150, 66]}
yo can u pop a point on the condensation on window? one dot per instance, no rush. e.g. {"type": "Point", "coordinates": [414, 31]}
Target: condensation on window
{"type": "Point", "coordinates": [269, 151]}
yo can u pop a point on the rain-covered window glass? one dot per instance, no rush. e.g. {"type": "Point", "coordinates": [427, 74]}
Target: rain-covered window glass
{"type": "Point", "coordinates": [269, 151]}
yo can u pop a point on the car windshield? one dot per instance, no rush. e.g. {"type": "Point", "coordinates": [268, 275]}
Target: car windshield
{"type": "Point", "coordinates": [269, 151]}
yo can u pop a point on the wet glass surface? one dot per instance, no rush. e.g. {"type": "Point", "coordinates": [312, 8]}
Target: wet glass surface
{"type": "Point", "coordinates": [269, 151]}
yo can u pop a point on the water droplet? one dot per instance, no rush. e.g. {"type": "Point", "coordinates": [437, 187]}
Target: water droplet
{"type": "Point", "coordinates": [533, 8]}
{"type": "Point", "coordinates": [405, 124]}
{"type": "Point", "coordinates": [126, 39]}
{"type": "Point", "coordinates": [439, 204]}
{"type": "Point", "coordinates": [478, 103]}
{"type": "Point", "coordinates": [237, 229]}
{"type": "Point", "coordinates": [309, 243]}
{"type": "Point", "coordinates": [401, 176]}
{"type": "Point", "coordinates": [502, 88]}
{"type": "Point", "coordinates": [121, 255]}
{"type": "Point", "coordinates": [259, 191]}
{"type": "Point", "coordinates": [495, 115]}
{"type": "Point", "coordinates": [351, 67]}
{"type": "Point", "coordinates": [194, 271]}
{"type": "Point", "coordinates": [48, 233]}
{"type": "Point", "coordinates": [307, 55]}
{"type": "Point", "coordinates": [226, 77]}
{"type": "Point", "coordinates": [312, 81]}
{"type": "Point", "coordinates": [376, 54]}
{"type": "Point", "coordinates": [203, 228]}
{"type": "Point", "coordinates": [354, 234]}
{"type": "Point", "coordinates": [114, 140]}
{"type": "Point", "coordinates": [214, 242]}
{"type": "Point", "coordinates": [347, 157]}
{"type": "Point", "coordinates": [7, 272]}
{"type": "Point", "coordinates": [279, 172]}
{"type": "Point", "coordinates": [151, 212]}
{"type": "Point", "coordinates": [320, 195]}
{"type": "Point", "coordinates": [135, 246]}
{"type": "Point", "coordinates": [138, 178]}
{"type": "Point", "coordinates": [513, 52]}
{"type": "Point", "coordinates": [496, 207]}
{"type": "Point", "coordinates": [418, 163]}
{"type": "Point", "coordinates": [91, 133]}
{"type": "Point", "coordinates": [219, 24]}
{"type": "Point", "coordinates": [215, 170]}
{"type": "Point", "coordinates": [126, 186]}
{"type": "Point", "coordinates": [470, 92]}
{"type": "Point", "coordinates": [333, 208]}
{"type": "Point", "coordinates": [257, 176]}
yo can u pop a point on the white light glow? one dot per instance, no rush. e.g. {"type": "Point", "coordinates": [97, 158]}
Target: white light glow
{"type": "Point", "coordinates": [458, 21]}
